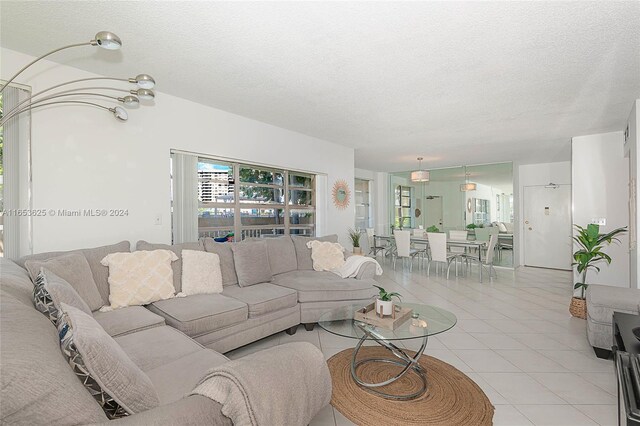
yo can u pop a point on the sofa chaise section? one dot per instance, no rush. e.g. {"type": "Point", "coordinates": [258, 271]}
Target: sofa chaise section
{"type": "Point", "coordinates": [322, 291]}
{"type": "Point", "coordinates": [602, 302]}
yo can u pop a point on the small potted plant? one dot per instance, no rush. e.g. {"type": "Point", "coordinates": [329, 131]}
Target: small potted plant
{"type": "Point", "coordinates": [354, 236]}
{"type": "Point", "coordinates": [433, 228]}
{"type": "Point", "coordinates": [384, 302]}
{"type": "Point", "coordinates": [590, 242]}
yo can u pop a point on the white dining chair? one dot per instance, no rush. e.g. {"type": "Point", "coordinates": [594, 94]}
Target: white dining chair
{"type": "Point", "coordinates": [403, 248]}
{"type": "Point", "coordinates": [373, 248]}
{"type": "Point", "coordinates": [487, 262]}
{"type": "Point", "coordinates": [455, 235]}
{"type": "Point", "coordinates": [438, 249]}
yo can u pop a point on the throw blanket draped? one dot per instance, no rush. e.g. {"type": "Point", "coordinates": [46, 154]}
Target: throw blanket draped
{"type": "Point", "coordinates": [284, 385]}
{"type": "Point", "coordinates": [353, 264]}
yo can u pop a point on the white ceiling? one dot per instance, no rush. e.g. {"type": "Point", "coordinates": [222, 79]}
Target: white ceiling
{"type": "Point", "coordinates": [456, 83]}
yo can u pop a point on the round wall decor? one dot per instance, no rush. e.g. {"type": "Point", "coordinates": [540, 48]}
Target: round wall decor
{"type": "Point", "coordinates": [341, 194]}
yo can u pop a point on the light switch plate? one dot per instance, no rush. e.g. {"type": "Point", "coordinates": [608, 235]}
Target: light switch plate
{"type": "Point", "coordinates": [602, 221]}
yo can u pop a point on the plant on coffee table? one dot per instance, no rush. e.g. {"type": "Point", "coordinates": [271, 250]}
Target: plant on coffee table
{"type": "Point", "coordinates": [591, 243]}
{"type": "Point", "coordinates": [385, 300]}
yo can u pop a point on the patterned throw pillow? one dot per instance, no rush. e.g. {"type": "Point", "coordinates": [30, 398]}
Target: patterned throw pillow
{"type": "Point", "coordinates": [116, 383]}
{"type": "Point", "coordinates": [140, 277]}
{"type": "Point", "coordinates": [326, 256]}
{"type": "Point", "coordinates": [50, 291]}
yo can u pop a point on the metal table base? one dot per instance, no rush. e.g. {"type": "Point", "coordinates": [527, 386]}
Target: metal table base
{"type": "Point", "coordinates": [409, 364]}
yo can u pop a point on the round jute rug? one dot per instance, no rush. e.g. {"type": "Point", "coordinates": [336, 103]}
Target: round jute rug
{"type": "Point", "coordinates": [452, 398]}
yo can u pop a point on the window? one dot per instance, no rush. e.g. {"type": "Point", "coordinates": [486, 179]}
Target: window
{"type": "Point", "coordinates": [403, 196]}
{"type": "Point", "coordinates": [363, 204]}
{"type": "Point", "coordinates": [253, 201]}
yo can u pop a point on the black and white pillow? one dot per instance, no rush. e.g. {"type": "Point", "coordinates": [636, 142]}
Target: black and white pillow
{"type": "Point", "coordinates": [49, 291]}
{"type": "Point", "coordinates": [114, 381]}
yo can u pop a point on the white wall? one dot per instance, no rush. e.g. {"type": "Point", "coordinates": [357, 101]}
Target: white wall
{"type": "Point", "coordinates": [631, 144]}
{"type": "Point", "coordinates": [534, 175]}
{"type": "Point", "coordinates": [84, 159]}
{"type": "Point", "coordinates": [600, 176]}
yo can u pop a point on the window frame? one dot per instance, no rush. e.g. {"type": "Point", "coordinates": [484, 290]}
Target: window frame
{"type": "Point", "coordinates": [242, 231]}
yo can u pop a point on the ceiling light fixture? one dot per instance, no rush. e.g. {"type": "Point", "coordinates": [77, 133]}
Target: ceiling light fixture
{"type": "Point", "coordinates": [420, 175]}
{"type": "Point", "coordinates": [467, 186]}
{"type": "Point", "coordinates": [106, 40]}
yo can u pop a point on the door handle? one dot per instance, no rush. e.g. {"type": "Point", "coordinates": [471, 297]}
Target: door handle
{"type": "Point", "coordinates": [530, 229]}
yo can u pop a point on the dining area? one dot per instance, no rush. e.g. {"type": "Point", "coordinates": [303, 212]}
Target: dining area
{"type": "Point", "coordinates": [438, 250]}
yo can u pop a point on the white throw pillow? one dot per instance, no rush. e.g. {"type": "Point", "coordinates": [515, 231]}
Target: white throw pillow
{"type": "Point", "coordinates": [201, 273]}
{"type": "Point", "coordinates": [326, 256]}
{"type": "Point", "coordinates": [502, 227]}
{"type": "Point", "coordinates": [140, 278]}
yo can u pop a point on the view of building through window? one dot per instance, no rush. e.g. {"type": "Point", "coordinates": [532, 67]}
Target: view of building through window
{"type": "Point", "coordinates": [251, 201]}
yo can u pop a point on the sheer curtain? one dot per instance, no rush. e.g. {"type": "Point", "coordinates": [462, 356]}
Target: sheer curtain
{"type": "Point", "coordinates": [15, 239]}
{"type": "Point", "coordinates": [185, 198]}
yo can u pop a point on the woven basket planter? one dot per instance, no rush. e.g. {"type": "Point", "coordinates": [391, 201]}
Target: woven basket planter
{"type": "Point", "coordinates": [578, 308]}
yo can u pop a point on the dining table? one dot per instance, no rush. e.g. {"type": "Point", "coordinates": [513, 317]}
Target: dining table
{"type": "Point", "coordinates": [423, 240]}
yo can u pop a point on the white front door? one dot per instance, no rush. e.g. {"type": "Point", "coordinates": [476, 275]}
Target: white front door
{"type": "Point", "coordinates": [546, 226]}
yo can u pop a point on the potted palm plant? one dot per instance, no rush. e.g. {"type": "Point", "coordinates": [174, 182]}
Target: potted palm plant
{"type": "Point", "coordinates": [591, 244]}
{"type": "Point", "coordinates": [384, 302]}
{"type": "Point", "coordinates": [354, 236]}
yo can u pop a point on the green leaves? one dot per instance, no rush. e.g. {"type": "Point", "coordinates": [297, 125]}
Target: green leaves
{"type": "Point", "coordinates": [385, 296]}
{"type": "Point", "coordinates": [354, 236]}
{"type": "Point", "coordinates": [591, 243]}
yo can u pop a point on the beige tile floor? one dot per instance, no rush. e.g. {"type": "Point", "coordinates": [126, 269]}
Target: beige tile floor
{"type": "Point", "coordinates": [514, 338]}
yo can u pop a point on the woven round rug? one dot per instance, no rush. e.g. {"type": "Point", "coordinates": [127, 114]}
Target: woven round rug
{"type": "Point", "coordinates": [451, 398]}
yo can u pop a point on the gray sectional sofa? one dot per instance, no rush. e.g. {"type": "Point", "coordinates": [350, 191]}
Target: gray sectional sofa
{"type": "Point", "coordinates": [174, 342]}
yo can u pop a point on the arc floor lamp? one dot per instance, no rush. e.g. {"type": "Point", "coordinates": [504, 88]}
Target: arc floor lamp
{"type": "Point", "coordinates": [88, 96]}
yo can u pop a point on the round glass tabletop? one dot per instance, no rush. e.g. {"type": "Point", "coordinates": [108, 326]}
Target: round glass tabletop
{"type": "Point", "coordinates": [431, 320]}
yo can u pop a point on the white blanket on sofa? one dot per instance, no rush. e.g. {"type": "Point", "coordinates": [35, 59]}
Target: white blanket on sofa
{"type": "Point", "coordinates": [352, 266]}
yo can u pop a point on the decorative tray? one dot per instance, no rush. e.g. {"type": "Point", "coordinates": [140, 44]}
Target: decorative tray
{"type": "Point", "coordinates": [391, 322]}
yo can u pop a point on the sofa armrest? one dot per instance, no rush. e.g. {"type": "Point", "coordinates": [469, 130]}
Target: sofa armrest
{"type": "Point", "coordinates": [193, 410]}
{"type": "Point", "coordinates": [284, 385]}
{"type": "Point", "coordinates": [367, 271]}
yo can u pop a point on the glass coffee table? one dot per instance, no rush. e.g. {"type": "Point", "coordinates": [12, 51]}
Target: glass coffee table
{"type": "Point", "coordinates": [426, 321]}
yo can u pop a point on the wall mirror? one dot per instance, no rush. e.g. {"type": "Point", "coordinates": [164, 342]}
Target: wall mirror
{"type": "Point", "coordinates": [457, 198]}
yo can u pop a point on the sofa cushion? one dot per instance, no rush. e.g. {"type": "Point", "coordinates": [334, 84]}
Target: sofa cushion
{"type": "Point", "coordinates": [223, 250]}
{"type": "Point", "coordinates": [140, 277]}
{"type": "Point", "coordinates": [93, 256]}
{"type": "Point", "coordinates": [252, 262]}
{"type": "Point", "coordinates": [602, 300]}
{"type": "Point", "coordinates": [313, 286]}
{"type": "Point", "coordinates": [119, 322]}
{"type": "Point", "coordinates": [50, 291]}
{"type": "Point", "coordinates": [36, 384]}
{"type": "Point", "coordinates": [116, 383]}
{"type": "Point", "coordinates": [176, 380]}
{"type": "Point", "coordinates": [200, 313]}
{"type": "Point", "coordinates": [303, 253]}
{"type": "Point", "coordinates": [263, 298]}
{"type": "Point", "coordinates": [282, 254]}
{"type": "Point", "coordinates": [201, 273]}
{"type": "Point", "coordinates": [157, 346]}
{"type": "Point", "coordinates": [177, 249]}
{"type": "Point", "coordinates": [74, 269]}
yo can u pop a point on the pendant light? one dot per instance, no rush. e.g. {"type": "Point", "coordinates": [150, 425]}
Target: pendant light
{"type": "Point", "coordinates": [467, 186]}
{"type": "Point", "coordinates": [420, 175]}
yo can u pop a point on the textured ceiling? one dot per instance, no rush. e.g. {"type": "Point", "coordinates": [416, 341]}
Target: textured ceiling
{"type": "Point", "coordinates": [456, 83]}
